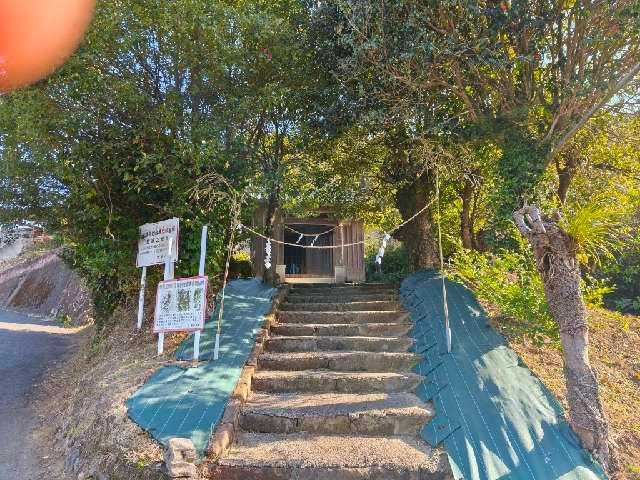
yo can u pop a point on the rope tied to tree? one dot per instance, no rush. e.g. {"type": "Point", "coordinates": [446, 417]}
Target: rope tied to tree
{"type": "Point", "coordinates": [342, 245]}
{"type": "Point", "coordinates": [236, 225]}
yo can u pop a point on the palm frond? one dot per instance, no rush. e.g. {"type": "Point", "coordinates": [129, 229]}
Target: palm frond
{"type": "Point", "coordinates": [598, 227]}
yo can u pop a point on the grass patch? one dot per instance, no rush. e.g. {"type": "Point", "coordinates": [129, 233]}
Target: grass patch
{"type": "Point", "coordinates": [64, 320]}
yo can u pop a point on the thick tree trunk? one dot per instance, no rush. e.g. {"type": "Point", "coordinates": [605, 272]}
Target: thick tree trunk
{"type": "Point", "coordinates": [555, 253]}
{"type": "Point", "coordinates": [419, 235]}
{"type": "Point", "coordinates": [466, 221]}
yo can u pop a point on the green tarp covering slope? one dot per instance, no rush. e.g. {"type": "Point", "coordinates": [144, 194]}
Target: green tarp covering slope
{"type": "Point", "coordinates": [189, 402]}
{"type": "Point", "coordinates": [496, 419]}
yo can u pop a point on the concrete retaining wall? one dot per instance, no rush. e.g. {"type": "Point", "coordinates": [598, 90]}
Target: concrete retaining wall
{"type": "Point", "coordinates": [45, 286]}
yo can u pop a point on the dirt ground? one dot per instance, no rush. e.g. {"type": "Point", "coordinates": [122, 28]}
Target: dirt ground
{"type": "Point", "coordinates": [615, 354]}
{"type": "Point", "coordinates": [90, 430]}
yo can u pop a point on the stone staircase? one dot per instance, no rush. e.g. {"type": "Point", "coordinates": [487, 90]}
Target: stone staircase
{"type": "Point", "coordinates": [333, 394]}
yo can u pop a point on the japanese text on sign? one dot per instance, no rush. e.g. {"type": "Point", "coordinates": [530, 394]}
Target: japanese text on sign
{"type": "Point", "coordinates": [181, 305]}
{"type": "Point", "coordinates": [155, 238]}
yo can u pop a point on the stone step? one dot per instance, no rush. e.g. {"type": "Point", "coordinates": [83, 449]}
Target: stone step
{"type": "Point", "coordinates": [326, 381]}
{"type": "Point", "coordinates": [343, 329]}
{"type": "Point", "coordinates": [340, 361]}
{"type": "Point", "coordinates": [344, 286]}
{"type": "Point", "coordinates": [306, 456]}
{"type": "Point", "coordinates": [336, 298]}
{"type": "Point", "coordinates": [373, 414]}
{"type": "Point", "coordinates": [343, 290]}
{"type": "Point", "coordinates": [340, 307]}
{"type": "Point", "coordinates": [316, 343]}
{"type": "Point", "coordinates": [392, 316]}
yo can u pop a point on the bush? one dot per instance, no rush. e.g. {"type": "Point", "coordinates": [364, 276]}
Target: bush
{"type": "Point", "coordinates": [594, 291]}
{"type": "Point", "coordinates": [395, 265]}
{"type": "Point", "coordinates": [240, 265]}
{"type": "Point", "coordinates": [509, 281]}
{"type": "Point", "coordinates": [624, 272]}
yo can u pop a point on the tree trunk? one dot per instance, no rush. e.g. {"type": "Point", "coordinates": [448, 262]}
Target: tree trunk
{"type": "Point", "coordinates": [564, 179]}
{"type": "Point", "coordinates": [466, 222]}
{"type": "Point", "coordinates": [419, 235]}
{"type": "Point", "coordinates": [566, 173]}
{"type": "Point", "coordinates": [555, 253]}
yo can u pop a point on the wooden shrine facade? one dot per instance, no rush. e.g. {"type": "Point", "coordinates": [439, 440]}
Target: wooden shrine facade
{"type": "Point", "coordinates": [296, 264]}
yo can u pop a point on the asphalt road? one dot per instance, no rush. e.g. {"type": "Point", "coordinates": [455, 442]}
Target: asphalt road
{"type": "Point", "coordinates": [28, 346]}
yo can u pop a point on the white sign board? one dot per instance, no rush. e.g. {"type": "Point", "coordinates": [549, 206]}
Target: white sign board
{"type": "Point", "coordinates": [155, 238]}
{"type": "Point", "coordinates": [181, 305]}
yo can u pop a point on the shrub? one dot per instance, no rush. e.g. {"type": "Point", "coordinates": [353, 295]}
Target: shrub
{"type": "Point", "coordinates": [594, 290]}
{"type": "Point", "coordinates": [240, 265]}
{"type": "Point", "coordinates": [509, 281]}
{"type": "Point", "coordinates": [395, 264]}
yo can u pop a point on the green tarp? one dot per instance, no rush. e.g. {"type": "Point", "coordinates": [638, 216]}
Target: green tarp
{"type": "Point", "coordinates": [189, 402]}
{"type": "Point", "coordinates": [496, 419]}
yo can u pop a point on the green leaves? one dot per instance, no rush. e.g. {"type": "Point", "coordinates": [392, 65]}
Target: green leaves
{"type": "Point", "coordinates": [509, 281]}
{"type": "Point", "coordinates": [159, 94]}
{"type": "Point", "coordinates": [599, 227]}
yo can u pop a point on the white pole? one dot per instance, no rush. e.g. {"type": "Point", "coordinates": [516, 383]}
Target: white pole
{"type": "Point", "coordinates": [196, 345]}
{"type": "Point", "coordinates": [203, 250]}
{"type": "Point", "coordinates": [203, 255]}
{"type": "Point", "coordinates": [143, 281]}
{"type": "Point", "coordinates": [168, 275]}
{"type": "Point", "coordinates": [341, 244]}
{"type": "Point", "coordinates": [216, 348]}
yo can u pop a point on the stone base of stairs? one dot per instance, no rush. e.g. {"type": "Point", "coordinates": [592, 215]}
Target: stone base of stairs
{"type": "Point", "coordinates": [340, 361]}
{"type": "Point", "coordinates": [322, 457]}
{"type": "Point", "coordinates": [371, 414]}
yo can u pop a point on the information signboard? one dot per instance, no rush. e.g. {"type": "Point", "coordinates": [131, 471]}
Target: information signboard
{"type": "Point", "coordinates": [155, 241]}
{"type": "Point", "coordinates": [181, 305]}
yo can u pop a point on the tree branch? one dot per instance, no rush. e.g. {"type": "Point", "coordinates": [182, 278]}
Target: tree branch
{"type": "Point", "coordinates": [623, 82]}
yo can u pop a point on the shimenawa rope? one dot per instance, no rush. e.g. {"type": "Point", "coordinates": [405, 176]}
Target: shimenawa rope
{"type": "Point", "coordinates": [310, 234]}
{"type": "Point", "coordinates": [324, 247]}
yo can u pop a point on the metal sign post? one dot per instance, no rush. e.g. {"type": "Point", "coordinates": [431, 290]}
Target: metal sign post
{"type": "Point", "coordinates": [203, 254]}
{"type": "Point", "coordinates": [168, 275]}
{"type": "Point", "coordinates": [143, 282]}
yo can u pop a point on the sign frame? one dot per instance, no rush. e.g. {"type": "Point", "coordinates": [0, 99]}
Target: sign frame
{"type": "Point", "coordinates": [175, 244]}
{"type": "Point", "coordinates": [204, 310]}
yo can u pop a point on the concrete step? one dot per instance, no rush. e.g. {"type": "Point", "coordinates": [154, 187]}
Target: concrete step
{"type": "Point", "coordinates": [341, 307]}
{"type": "Point", "coordinates": [305, 456]}
{"type": "Point", "coordinates": [373, 414]}
{"type": "Point", "coordinates": [337, 298]}
{"type": "Point", "coordinates": [340, 361]}
{"type": "Point", "coordinates": [343, 329]}
{"type": "Point", "coordinates": [340, 382]}
{"type": "Point", "coordinates": [392, 316]}
{"type": "Point", "coordinates": [316, 343]}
